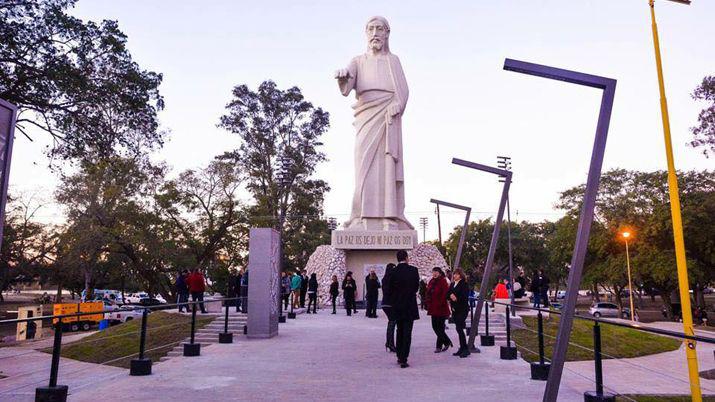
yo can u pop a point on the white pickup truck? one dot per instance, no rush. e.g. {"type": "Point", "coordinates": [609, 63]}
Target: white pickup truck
{"type": "Point", "coordinates": [121, 316]}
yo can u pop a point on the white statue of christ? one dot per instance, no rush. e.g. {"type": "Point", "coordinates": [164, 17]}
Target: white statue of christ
{"type": "Point", "coordinates": [381, 92]}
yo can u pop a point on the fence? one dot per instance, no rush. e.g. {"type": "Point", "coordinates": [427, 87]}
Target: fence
{"type": "Point", "coordinates": [140, 364]}
{"type": "Point", "coordinates": [540, 369]}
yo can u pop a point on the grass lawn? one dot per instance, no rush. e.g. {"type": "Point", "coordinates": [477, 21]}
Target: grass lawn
{"type": "Point", "coordinates": [164, 331]}
{"type": "Point", "coordinates": [661, 398]}
{"type": "Point", "coordinates": [616, 341]}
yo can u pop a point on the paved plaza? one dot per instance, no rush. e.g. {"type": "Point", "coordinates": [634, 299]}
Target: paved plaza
{"type": "Point", "coordinates": [338, 358]}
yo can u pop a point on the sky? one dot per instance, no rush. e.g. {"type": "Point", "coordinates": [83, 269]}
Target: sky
{"type": "Point", "coordinates": [462, 103]}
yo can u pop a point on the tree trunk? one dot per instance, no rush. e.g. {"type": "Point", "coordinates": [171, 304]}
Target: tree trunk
{"type": "Point", "coordinates": [699, 294]}
{"type": "Point", "coordinates": [665, 296]}
{"type": "Point", "coordinates": [58, 296]}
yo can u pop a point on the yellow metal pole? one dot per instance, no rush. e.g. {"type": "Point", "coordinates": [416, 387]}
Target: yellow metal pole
{"type": "Point", "coordinates": [681, 264]}
{"type": "Point", "coordinates": [630, 284]}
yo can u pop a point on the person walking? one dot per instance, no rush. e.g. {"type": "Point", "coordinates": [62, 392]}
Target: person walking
{"type": "Point", "coordinates": [349, 288]}
{"type": "Point", "coordinates": [387, 309]}
{"type": "Point", "coordinates": [458, 295]}
{"type": "Point", "coordinates": [197, 287]}
{"type": "Point", "coordinates": [313, 292]}
{"type": "Point", "coordinates": [303, 288]}
{"type": "Point", "coordinates": [182, 291]}
{"type": "Point", "coordinates": [334, 292]}
{"type": "Point", "coordinates": [404, 285]}
{"type": "Point", "coordinates": [295, 285]}
{"type": "Point", "coordinates": [372, 286]}
{"type": "Point", "coordinates": [244, 292]}
{"type": "Point", "coordinates": [285, 289]}
{"type": "Point", "coordinates": [438, 308]}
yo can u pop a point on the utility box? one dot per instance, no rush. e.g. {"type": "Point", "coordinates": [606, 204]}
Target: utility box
{"type": "Point", "coordinates": [264, 282]}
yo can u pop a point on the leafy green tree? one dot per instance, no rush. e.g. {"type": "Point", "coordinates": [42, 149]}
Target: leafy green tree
{"type": "Point", "coordinates": [280, 133]}
{"type": "Point", "coordinates": [76, 80]}
{"type": "Point", "coordinates": [704, 132]}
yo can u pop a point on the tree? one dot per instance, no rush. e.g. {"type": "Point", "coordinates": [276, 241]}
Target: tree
{"type": "Point", "coordinates": [27, 244]}
{"type": "Point", "coordinates": [206, 219]}
{"type": "Point", "coordinates": [279, 153]}
{"type": "Point", "coordinates": [704, 132]}
{"type": "Point", "coordinates": [77, 81]}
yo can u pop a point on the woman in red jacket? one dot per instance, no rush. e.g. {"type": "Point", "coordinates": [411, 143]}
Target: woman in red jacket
{"type": "Point", "coordinates": [438, 308]}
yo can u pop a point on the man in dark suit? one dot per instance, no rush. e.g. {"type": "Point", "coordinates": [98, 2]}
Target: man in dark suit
{"type": "Point", "coordinates": [404, 284]}
{"type": "Point", "coordinates": [303, 288]}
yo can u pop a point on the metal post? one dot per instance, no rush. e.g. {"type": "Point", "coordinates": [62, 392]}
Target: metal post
{"type": "Point", "coordinates": [53, 392]}
{"type": "Point", "coordinates": [439, 226]}
{"type": "Point", "coordinates": [193, 322]}
{"type": "Point", "coordinates": [508, 352]}
{"type": "Point", "coordinates": [486, 339]}
{"type": "Point", "coordinates": [599, 395]}
{"type": "Point", "coordinates": [142, 365]}
{"type": "Point", "coordinates": [597, 358]}
{"type": "Point", "coordinates": [608, 86]}
{"type": "Point", "coordinates": [142, 337]}
{"type": "Point", "coordinates": [56, 348]}
{"type": "Point", "coordinates": [681, 262]}
{"type": "Point", "coordinates": [511, 269]}
{"type": "Point", "coordinates": [630, 283]}
{"type": "Point", "coordinates": [191, 348]}
{"type": "Point", "coordinates": [225, 337]}
{"type": "Point", "coordinates": [540, 369]}
{"type": "Point", "coordinates": [541, 337]}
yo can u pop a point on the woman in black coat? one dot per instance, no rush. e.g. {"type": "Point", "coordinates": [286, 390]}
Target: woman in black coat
{"type": "Point", "coordinates": [334, 291]}
{"type": "Point", "coordinates": [387, 309]}
{"type": "Point", "coordinates": [349, 288]}
{"type": "Point", "coordinates": [372, 286]}
{"type": "Point", "coordinates": [458, 296]}
{"type": "Point", "coordinates": [313, 292]}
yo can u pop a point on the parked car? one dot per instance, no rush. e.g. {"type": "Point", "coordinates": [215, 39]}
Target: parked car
{"type": "Point", "coordinates": [122, 316]}
{"type": "Point", "coordinates": [605, 310]}
{"type": "Point", "coordinates": [134, 298]}
{"type": "Point", "coordinates": [561, 294]}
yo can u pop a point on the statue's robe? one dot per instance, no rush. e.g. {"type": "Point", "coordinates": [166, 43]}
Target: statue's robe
{"type": "Point", "coordinates": [379, 197]}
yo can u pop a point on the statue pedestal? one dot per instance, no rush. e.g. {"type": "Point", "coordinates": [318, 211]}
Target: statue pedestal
{"type": "Point", "coordinates": [371, 249]}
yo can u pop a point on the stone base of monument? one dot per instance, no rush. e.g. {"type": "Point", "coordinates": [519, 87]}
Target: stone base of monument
{"type": "Point", "coordinates": [593, 396]}
{"type": "Point", "coordinates": [225, 337]}
{"type": "Point", "coordinates": [486, 340]}
{"type": "Point", "coordinates": [51, 394]}
{"type": "Point", "coordinates": [140, 367]}
{"type": "Point", "coordinates": [540, 371]}
{"type": "Point", "coordinates": [507, 353]}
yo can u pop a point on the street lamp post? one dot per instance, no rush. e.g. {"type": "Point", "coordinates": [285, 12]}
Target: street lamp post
{"type": "Point", "coordinates": [626, 236]}
{"type": "Point", "coordinates": [678, 238]}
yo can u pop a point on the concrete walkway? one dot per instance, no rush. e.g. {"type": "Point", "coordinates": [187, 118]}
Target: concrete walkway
{"type": "Point", "coordinates": [328, 358]}
{"type": "Point", "coordinates": [338, 358]}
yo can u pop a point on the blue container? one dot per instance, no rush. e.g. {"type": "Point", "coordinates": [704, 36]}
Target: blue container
{"type": "Point", "coordinates": [103, 324]}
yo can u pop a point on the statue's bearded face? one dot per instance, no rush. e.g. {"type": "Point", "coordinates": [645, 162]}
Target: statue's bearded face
{"type": "Point", "coordinates": [377, 34]}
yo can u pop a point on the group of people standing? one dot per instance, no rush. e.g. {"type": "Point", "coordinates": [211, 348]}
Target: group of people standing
{"type": "Point", "coordinates": [190, 283]}
{"type": "Point", "coordinates": [297, 287]}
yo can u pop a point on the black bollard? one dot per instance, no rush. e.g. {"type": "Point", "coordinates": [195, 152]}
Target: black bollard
{"type": "Point", "coordinates": [540, 369]}
{"type": "Point", "coordinates": [191, 348]}
{"type": "Point", "coordinates": [486, 339]}
{"type": "Point", "coordinates": [599, 395]}
{"type": "Point", "coordinates": [225, 336]}
{"type": "Point", "coordinates": [291, 313]}
{"type": "Point", "coordinates": [507, 352]}
{"type": "Point", "coordinates": [141, 366]}
{"type": "Point", "coordinates": [53, 392]}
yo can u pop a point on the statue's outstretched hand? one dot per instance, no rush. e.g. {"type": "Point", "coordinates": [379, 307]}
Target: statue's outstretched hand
{"type": "Point", "coordinates": [342, 74]}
